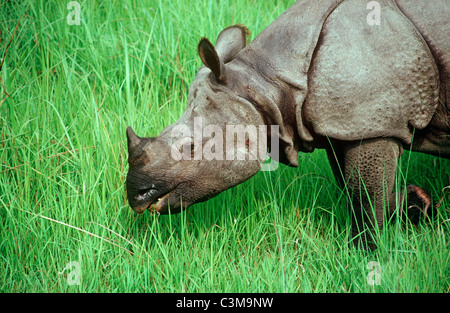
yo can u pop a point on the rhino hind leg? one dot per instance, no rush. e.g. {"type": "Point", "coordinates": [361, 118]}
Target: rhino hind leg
{"type": "Point", "coordinates": [416, 204]}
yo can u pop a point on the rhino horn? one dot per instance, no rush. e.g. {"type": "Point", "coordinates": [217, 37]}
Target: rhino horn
{"type": "Point", "coordinates": [134, 144]}
{"type": "Point", "coordinates": [210, 58]}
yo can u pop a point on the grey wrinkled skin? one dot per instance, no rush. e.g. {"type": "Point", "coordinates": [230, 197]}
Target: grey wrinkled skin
{"type": "Point", "coordinates": [330, 81]}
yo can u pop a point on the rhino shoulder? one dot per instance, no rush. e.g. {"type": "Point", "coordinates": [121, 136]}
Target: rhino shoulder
{"type": "Point", "coordinates": [371, 80]}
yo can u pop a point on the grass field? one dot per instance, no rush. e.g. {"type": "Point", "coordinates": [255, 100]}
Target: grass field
{"type": "Point", "coordinates": [68, 93]}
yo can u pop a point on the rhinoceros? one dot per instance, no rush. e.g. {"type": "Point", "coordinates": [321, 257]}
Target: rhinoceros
{"type": "Point", "coordinates": [329, 75]}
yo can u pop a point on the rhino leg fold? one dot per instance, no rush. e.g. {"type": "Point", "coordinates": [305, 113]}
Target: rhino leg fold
{"type": "Point", "coordinates": [369, 171]}
{"type": "Point", "coordinates": [336, 159]}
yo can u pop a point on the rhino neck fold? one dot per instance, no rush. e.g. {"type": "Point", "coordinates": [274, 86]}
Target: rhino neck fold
{"type": "Point", "coordinates": [277, 63]}
{"type": "Point", "coordinates": [276, 105]}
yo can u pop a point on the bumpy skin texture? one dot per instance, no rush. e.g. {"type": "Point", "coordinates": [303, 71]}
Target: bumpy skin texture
{"type": "Point", "coordinates": [427, 17]}
{"type": "Point", "coordinates": [329, 80]}
{"type": "Point", "coordinates": [393, 77]}
{"type": "Point", "coordinates": [370, 173]}
{"type": "Point", "coordinates": [371, 100]}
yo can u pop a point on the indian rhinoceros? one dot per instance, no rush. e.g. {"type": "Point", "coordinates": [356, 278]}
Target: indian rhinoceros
{"type": "Point", "coordinates": [328, 75]}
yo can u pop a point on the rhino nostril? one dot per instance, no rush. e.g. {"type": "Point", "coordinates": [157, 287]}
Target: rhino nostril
{"type": "Point", "coordinates": [145, 194]}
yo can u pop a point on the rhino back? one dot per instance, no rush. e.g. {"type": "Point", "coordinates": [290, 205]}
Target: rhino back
{"type": "Point", "coordinates": [369, 81]}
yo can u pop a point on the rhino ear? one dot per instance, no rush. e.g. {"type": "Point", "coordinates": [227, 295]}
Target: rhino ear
{"type": "Point", "coordinates": [230, 41]}
{"type": "Point", "coordinates": [211, 59]}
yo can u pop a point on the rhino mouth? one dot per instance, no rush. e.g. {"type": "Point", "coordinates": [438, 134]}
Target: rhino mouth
{"type": "Point", "coordinates": [148, 200]}
{"type": "Point", "coordinates": [157, 201]}
{"type": "Point", "coordinates": [172, 200]}
{"type": "Point", "coordinates": [160, 205]}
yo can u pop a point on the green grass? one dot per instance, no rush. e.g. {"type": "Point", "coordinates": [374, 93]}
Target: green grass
{"type": "Point", "coordinates": [72, 90]}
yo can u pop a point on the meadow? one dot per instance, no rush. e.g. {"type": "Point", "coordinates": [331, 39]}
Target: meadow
{"type": "Point", "coordinates": [69, 91]}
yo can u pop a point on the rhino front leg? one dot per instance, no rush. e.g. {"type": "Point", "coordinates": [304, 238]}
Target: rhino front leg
{"type": "Point", "coordinates": [369, 172]}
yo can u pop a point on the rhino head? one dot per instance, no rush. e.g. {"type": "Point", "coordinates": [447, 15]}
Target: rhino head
{"type": "Point", "coordinates": [211, 147]}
